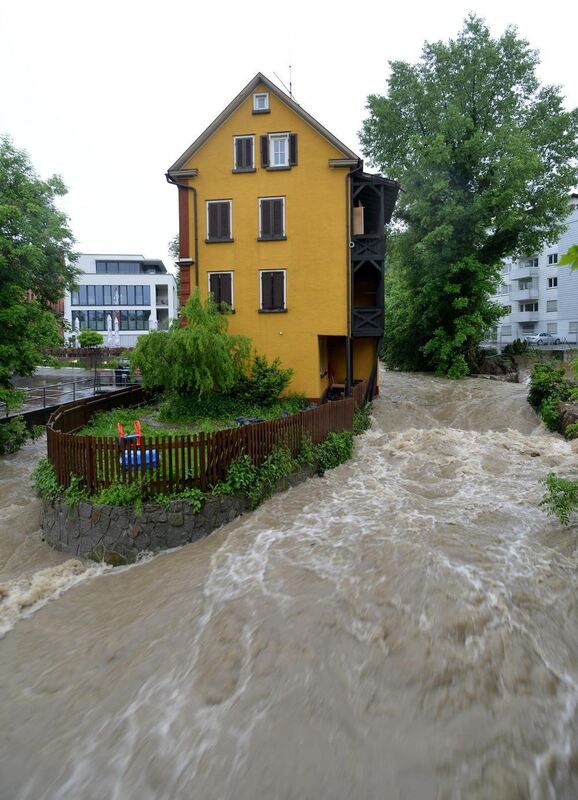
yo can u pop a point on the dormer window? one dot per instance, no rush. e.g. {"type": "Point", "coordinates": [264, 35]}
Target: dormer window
{"type": "Point", "coordinates": [260, 102]}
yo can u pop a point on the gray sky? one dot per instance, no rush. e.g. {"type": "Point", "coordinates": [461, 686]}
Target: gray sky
{"type": "Point", "coordinates": [108, 94]}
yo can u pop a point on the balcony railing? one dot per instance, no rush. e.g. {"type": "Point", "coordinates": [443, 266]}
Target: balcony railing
{"type": "Point", "coordinates": [524, 294]}
{"type": "Point", "coordinates": [368, 246]}
{"type": "Point", "coordinates": [520, 272]}
{"type": "Point", "coordinates": [525, 316]}
{"type": "Point", "coordinates": [367, 322]}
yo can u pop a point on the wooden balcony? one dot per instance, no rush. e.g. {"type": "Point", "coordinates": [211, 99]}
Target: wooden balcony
{"type": "Point", "coordinates": [368, 247]}
{"type": "Point", "coordinates": [367, 322]}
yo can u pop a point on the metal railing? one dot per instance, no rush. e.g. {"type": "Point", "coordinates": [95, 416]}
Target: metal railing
{"type": "Point", "coordinates": [52, 394]}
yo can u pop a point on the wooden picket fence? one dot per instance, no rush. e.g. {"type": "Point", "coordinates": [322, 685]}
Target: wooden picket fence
{"type": "Point", "coordinates": [173, 463]}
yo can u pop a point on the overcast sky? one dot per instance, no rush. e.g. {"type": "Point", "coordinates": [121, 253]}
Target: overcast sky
{"type": "Point", "coordinates": [109, 93]}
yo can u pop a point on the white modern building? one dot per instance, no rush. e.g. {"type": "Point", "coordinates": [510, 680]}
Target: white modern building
{"type": "Point", "coordinates": [122, 296]}
{"type": "Point", "coordinates": [540, 296]}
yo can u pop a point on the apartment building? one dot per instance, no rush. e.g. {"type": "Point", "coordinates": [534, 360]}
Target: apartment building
{"type": "Point", "coordinates": [122, 296]}
{"type": "Point", "coordinates": [278, 220]}
{"type": "Point", "coordinates": [540, 296]}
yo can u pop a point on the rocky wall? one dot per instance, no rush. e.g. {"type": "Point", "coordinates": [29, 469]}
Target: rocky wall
{"type": "Point", "coordinates": [117, 534]}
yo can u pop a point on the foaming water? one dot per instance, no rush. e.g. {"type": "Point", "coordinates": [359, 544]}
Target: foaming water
{"type": "Point", "coordinates": [406, 627]}
{"type": "Point", "coordinates": [31, 573]}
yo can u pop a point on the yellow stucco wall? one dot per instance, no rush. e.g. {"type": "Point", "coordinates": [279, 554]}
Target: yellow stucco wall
{"type": "Point", "coordinates": [314, 253]}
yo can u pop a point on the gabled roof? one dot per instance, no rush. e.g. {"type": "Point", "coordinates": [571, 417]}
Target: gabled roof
{"type": "Point", "coordinates": [240, 98]}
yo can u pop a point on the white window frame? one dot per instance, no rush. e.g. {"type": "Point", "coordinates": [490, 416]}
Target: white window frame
{"type": "Point", "coordinates": [261, 271]}
{"type": "Point", "coordinates": [552, 259]}
{"type": "Point", "coordinates": [273, 137]}
{"type": "Point", "coordinates": [246, 136]}
{"type": "Point", "coordinates": [573, 327]}
{"type": "Point", "coordinates": [551, 310]}
{"type": "Point", "coordinates": [506, 330]}
{"type": "Point", "coordinates": [222, 272]}
{"type": "Point", "coordinates": [552, 328]}
{"type": "Point", "coordinates": [532, 262]}
{"type": "Point", "coordinates": [259, 201]}
{"type": "Point", "coordinates": [256, 97]}
{"type": "Point", "coordinates": [208, 203]}
{"type": "Point", "coordinates": [553, 283]}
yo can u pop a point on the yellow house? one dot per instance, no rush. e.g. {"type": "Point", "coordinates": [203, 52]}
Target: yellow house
{"type": "Point", "coordinates": [278, 219]}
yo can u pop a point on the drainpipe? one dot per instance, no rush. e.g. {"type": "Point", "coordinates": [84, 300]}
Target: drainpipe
{"type": "Point", "coordinates": [192, 189]}
{"type": "Point", "coordinates": [348, 353]}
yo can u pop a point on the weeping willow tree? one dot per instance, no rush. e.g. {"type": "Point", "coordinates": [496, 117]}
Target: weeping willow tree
{"type": "Point", "coordinates": [195, 358]}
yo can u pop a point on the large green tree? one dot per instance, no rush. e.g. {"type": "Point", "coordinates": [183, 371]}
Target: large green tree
{"type": "Point", "coordinates": [36, 261]}
{"type": "Point", "coordinates": [486, 158]}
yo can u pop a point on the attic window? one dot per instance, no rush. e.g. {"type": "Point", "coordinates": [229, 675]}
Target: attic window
{"type": "Point", "coordinates": [260, 102]}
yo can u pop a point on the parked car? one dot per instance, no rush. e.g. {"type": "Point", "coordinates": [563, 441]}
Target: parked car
{"type": "Point", "coordinates": [542, 338]}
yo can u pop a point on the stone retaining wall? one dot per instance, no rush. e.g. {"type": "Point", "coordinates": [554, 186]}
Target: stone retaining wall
{"type": "Point", "coordinates": [117, 534]}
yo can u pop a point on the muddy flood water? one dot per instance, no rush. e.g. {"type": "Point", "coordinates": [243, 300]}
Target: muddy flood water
{"type": "Point", "coordinates": [405, 628]}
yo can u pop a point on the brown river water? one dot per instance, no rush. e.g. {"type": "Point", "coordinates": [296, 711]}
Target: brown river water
{"type": "Point", "coordinates": [406, 627]}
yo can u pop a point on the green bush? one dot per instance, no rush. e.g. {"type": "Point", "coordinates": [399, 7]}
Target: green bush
{"type": "Point", "coordinates": [44, 481]}
{"type": "Point", "coordinates": [123, 494]}
{"type": "Point", "coordinates": [242, 478]}
{"type": "Point", "coordinates": [75, 492]}
{"type": "Point", "coordinates": [571, 431]}
{"type": "Point", "coordinates": [550, 414]}
{"type": "Point", "coordinates": [547, 383]}
{"type": "Point", "coordinates": [13, 434]}
{"type": "Point", "coordinates": [561, 499]}
{"type": "Point", "coordinates": [256, 483]}
{"type": "Point", "coordinates": [306, 454]}
{"type": "Point", "coordinates": [264, 383]}
{"type": "Point", "coordinates": [516, 348]}
{"type": "Point", "coordinates": [224, 407]}
{"type": "Point", "coordinates": [90, 338]}
{"type": "Point", "coordinates": [362, 420]}
{"type": "Point", "coordinates": [333, 451]}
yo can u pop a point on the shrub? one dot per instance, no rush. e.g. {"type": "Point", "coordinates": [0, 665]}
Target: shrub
{"type": "Point", "coordinates": [265, 381]}
{"type": "Point", "coordinates": [123, 494]}
{"type": "Point", "coordinates": [362, 420]}
{"type": "Point", "coordinates": [90, 338]}
{"type": "Point", "coordinates": [516, 348]}
{"type": "Point", "coordinates": [550, 414]}
{"type": "Point", "coordinates": [561, 498]}
{"type": "Point", "coordinates": [242, 478]}
{"type": "Point", "coordinates": [44, 481]}
{"type": "Point", "coordinates": [75, 491]}
{"type": "Point", "coordinates": [571, 431]}
{"type": "Point", "coordinates": [333, 451]}
{"type": "Point", "coordinates": [306, 454]}
{"type": "Point", "coordinates": [548, 382]}
{"type": "Point", "coordinates": [13, 434]}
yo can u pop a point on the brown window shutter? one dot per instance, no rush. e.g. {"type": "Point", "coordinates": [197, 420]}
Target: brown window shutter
{"type": "Point", "coordinates": [226, 295]}
{"type": "Point", "coordinates": [239, 153]}
{"type": "Point", "coordinates": [293, 149]}
{"type": "Point", "coordinates": [225, 221]}
{"type": "Point", "coordinates": [214, 287]}
{"type": "Point", "coordinates": [264, 151]}
{"type": "Point", "coordinates": [267, 291]}
{"type": "Point", "coordinates": [213, 232]}
{"type": "Point", "coordinates": [249, 153]}
{"type": "Point", "coordinates": [278, 283]}
{"type": "Point", "coordinates": [277, 227]}
{"type": "Point", "coordinates": [266, 221]}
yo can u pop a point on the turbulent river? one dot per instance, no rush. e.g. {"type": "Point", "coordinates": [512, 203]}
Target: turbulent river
{"type": "Point", "coordinates": [406, 627]}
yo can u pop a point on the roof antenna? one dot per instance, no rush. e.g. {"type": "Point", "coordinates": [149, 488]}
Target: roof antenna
{"type": "Point", "coordinates": [290, 89]}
